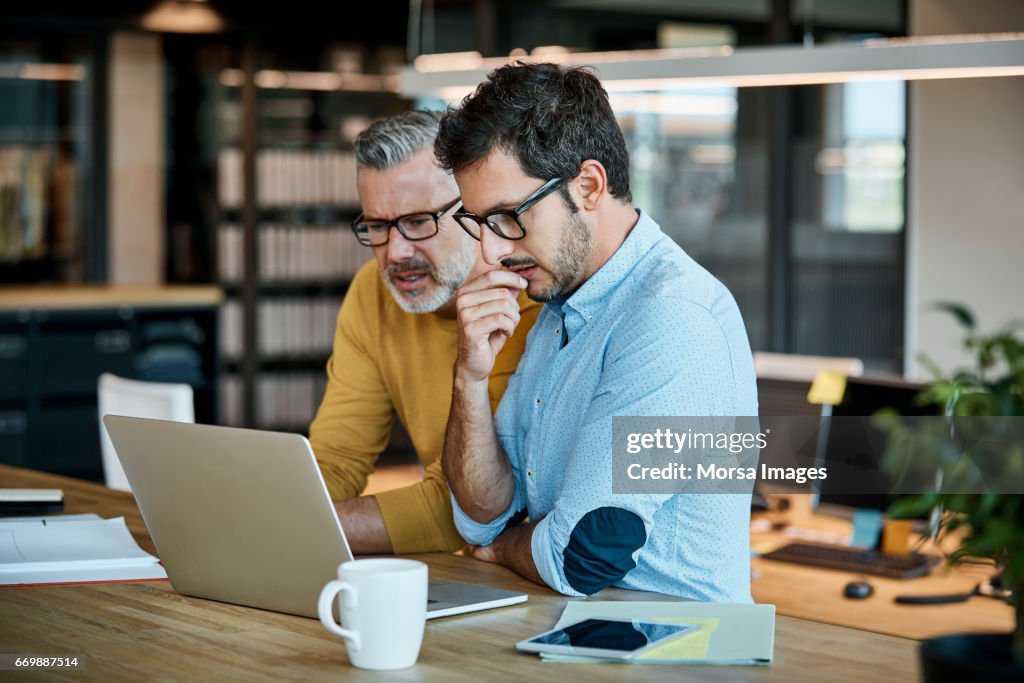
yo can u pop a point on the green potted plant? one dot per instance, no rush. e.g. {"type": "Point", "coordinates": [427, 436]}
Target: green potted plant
{"type": "Point", "coordinates": [981, 513]}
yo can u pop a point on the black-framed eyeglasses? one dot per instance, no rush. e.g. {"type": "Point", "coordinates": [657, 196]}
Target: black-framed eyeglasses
{"type": "Point", "coordinates": [505, 222]}
{"type": "Point", "coordinates": [422, 225]}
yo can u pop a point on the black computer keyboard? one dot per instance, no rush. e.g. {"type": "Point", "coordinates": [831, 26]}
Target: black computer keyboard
{"type": "Point", "coordinates": [856, 560]}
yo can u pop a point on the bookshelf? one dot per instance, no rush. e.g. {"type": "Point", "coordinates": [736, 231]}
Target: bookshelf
{"type": "Point", "coordinates": [284, 253]}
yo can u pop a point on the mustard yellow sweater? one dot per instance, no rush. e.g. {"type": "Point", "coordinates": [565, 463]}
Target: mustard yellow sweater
{"type": "Point", "coordinates": [387, 362]}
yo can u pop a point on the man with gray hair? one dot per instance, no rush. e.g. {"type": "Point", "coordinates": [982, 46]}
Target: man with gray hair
{"type": "Point", "coordinates": [395, 342]}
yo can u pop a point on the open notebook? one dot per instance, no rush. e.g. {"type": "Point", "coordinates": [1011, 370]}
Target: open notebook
{"type": "Point", "coordinates": [72, 549]}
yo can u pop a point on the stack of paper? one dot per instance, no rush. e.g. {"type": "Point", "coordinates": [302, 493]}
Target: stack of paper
{"type": "Point", "coordinates": [728, 634]}
{"type": "Point", "coordinates": [72, 549]}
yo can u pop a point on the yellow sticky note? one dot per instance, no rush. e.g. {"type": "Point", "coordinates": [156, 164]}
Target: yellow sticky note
{"type": "Point", "coordinates": [693, 645]}
{"type": "Point", "coordinates": [828, 386]}
{"type": "Point", "coordinates": [896, 536]}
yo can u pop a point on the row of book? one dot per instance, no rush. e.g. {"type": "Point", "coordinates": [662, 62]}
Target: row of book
{"type": "Point", "coordinates": [296, 327]}
{"type": "Point", "coordinates": [293, 253]}
{"type": "Point", "coordinates": [290, 177]}
{"type": "Point", "coordinates": [284, 400]}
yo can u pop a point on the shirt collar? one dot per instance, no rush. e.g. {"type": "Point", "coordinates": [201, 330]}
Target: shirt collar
{"type": "Point", "coordinates": [589, 299]}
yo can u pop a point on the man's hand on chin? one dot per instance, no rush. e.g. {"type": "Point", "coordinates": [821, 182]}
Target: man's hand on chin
{"type": "Point", "coordinates": [488, 312]}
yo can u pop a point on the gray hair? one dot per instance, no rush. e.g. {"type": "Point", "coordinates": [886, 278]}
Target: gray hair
{"type": "Point", "coordinates": [392, 140]}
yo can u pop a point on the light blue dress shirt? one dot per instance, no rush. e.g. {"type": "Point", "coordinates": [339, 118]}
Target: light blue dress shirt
{"type": "Point", "coordinates": [650, 333]}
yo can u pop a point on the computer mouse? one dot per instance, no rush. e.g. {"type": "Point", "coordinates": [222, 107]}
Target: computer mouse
{"type": "Point", "coordinates": [858, 590]}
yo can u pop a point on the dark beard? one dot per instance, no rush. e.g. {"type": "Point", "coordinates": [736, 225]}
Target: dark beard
{"type": "Point", "coordinates": [570, 263]}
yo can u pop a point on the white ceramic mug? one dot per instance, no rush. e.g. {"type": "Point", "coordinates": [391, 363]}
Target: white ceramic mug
{"type": "Point", "coordinates": [383, 611]}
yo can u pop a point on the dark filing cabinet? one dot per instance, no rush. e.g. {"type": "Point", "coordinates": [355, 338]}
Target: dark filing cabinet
{"type": "Point", "coordinates": [55, 343]}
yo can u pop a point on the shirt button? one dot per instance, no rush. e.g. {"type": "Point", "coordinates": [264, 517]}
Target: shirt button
{"type": "Point", "coordinates": [557, 331]}
{"type": "Point", "coordinates": [529, 472]}
{"type": "Point", "coordinates": [538, 401]}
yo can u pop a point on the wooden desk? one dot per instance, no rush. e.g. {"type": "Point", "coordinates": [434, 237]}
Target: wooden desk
{"type": "Point", "coordinates": [817, 594]}
{"type": "Point", "coordinates": [141, 631]}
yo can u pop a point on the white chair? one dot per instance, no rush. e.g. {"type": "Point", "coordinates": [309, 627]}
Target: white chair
{"type": "Point", "coordinates": [134, 398]}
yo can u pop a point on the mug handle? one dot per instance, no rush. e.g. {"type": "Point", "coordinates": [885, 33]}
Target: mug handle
{"type": "Point", "coordinates": [324, 608]}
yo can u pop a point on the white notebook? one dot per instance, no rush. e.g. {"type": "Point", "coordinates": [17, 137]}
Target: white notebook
{"type": "Point", "coordinates": [31, 495]}
{"type": "Point", "coordinates": [61, 550]}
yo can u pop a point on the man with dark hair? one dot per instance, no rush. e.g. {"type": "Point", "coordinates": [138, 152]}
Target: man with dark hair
{"type": "Point", "coordinates": [395, 342]}
{"type": "Point", "coordinates": [632, 326]}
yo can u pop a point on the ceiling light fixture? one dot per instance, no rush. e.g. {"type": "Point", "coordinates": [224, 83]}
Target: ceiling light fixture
{"type": "Point", "coordinates": [183, 16]}
{"type": "Point", "coordinates": [962, 56]}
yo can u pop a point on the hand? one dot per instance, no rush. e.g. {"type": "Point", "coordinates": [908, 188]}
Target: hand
{"type": "Point", "coordinates": [513, 548]}
{"type": "Point", "coordinates": [488, 313]}
{"type": "Point", "coordinates": [484, 553]}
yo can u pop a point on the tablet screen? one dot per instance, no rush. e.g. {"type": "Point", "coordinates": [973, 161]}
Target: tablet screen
{"type": "Point", "coordinates": [619, 636]}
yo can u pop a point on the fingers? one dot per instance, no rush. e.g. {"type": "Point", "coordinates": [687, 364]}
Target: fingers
{"type": "Point", "coordinates": [496, 278]}
{"type": "Point", "coordinates": [467, 298]}
{"type": "Point", "coordinates": [487, 309]}
{"type": "Point", "coordinates": [493, 292]}
{"type": "Point", "coordinates": [479, 332]}
{"type": "Point", "coordinates": [481, 329]}
{"type": "Point", "coordinates": [488, 313]}
{"type": "Point", "coordinates": [484, 311]}
{"type": "Point", "coordinates": [483, 334]}
{"type": "Point", "coordinates": [484, 553]}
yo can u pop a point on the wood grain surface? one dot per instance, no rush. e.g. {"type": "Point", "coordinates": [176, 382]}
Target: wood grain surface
{"type": "Point", "coordinates": [146, 631]}
{"type": "Point", "coordinates": [817, 594]}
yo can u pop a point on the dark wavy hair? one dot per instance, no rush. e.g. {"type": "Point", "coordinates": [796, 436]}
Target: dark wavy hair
{"type": "Point", "coordinates": [548, 118]}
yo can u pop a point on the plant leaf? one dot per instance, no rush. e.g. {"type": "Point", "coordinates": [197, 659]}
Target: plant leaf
{"type": "Point", "coordinates": [961, 313]}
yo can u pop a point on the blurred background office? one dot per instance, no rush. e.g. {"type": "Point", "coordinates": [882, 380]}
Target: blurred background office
{"type": "Point", "coordinates": [177, 181]}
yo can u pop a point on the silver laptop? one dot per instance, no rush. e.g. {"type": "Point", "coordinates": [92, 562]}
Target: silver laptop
{"type": "Point", "coordinates": [243, 516]}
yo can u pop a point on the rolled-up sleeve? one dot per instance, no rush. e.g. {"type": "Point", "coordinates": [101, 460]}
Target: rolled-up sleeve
{"type": "Point", "coordinates": [484, 534]}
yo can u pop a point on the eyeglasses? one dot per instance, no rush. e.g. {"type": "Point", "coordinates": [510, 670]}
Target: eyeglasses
{"type": "Point", "coordinates": [505, 223]}
{"type": "Point", "coordinates": [375, 232]}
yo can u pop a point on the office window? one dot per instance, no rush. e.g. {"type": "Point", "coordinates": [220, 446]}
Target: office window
{"type": "Point", "coordinates": [697, 167]}
{"type": "Point", "coordinates": [700, 166]}
{"type": "Point", "coordinates": [846, 239]}
{"type": "Point", "coordinates": [793, 197]}
{"type": "Point", "coordinates": [861, 155]}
